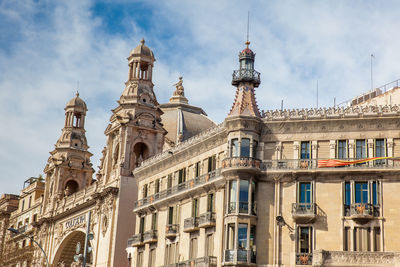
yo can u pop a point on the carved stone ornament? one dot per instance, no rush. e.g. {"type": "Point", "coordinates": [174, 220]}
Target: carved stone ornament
{"type": "Point", "coordinates": [104, 224]}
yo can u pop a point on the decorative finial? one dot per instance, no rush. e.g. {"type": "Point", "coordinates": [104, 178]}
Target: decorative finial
{"type": "Point", "coordinates": [247, 44]}
{"type": "Point", "coordinates": [77, 93]}
{"type": "Point", "coordinates": [179, 88]}
{"type": "Point", "coordinates": [142, 42]}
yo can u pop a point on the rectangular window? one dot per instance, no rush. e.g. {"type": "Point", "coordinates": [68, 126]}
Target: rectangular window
{"type": "Point", "coordinates": [232, 196]}
{"type": "Point", "coordinates": [210, 245]}
{"type": "Point", "coordinates": [361, 151]}
{"type": "Point", "coordinates": [380, 151]}
{"type": "Point", "coordinates": [375, 195]}
{"type": "Point", "coordinates": [211, 163]}
{"type": "Point", "coordinates": [231, 236]}
{"type": "Point", "coordinates": [170, 253]}
{"type": "Point", "coordinates": [182, 176]}
{"type": "Point", "coordinates": [197, 169]}
{"type": "Point", "coordinates": [304, 239]}
{"type": "Point", "coordinates": [171, 215]}
{"type": "Point", "coordinates": [195, 207]}
{"type": "Point", "coordinates": [30, 202]}
{"type": "Point", "coordinates": [255, 146]}
{"type": "Point", "coordinates": [305, 192]}
{"type": "Point", "coordinates": [234, 148]}
{"type": "Point", "coordinates": [244, 196]}
{"type": "Point", "coordinates": [157, 186]}
{"type": "Point", "coordinates": [347, 198]}
{"type": "Point", "coordinates": [346, 239]}
{"type": "Point", "coordinates": [242, 236]}
{"type": "Point", "coordinates": [152, 258]}
{"type": "Point", "coordinates": [342, 149]}
{"type": "Point", "coordinates": [145, 191]}
{"type": "Point", "coordinates": [253, 238]}
{"type": "Point", "coordinates": [245, 147]}
{"type": "Point", "coordinates": [361, 192]}
{"type": "Point", "coordinates": [210, 202]}
{"type": "Point", "coordinates": [141, 225]}
{"type": "Point", "coordinates": [23, 204]}
{"type": "Point", "coordinates": [154, 221]}
{"type": "Point", "coordinates": [193, 249]}
{"type": "Point", "coordinates": [305, 150]}
{"type": "Point", "coordinates": [362, 239]}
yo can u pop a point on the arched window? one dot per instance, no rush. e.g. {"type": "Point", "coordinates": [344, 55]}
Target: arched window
{"type": "Point", "coordinates": [70, 187]}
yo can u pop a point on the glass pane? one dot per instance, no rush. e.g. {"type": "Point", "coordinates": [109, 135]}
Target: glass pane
{"type": "Point", "coordinates": [233, 190]}
{"type": "Point", "coordinates": [360, 149]}
{"type": "Point", "coordinates": [379, 148]}
{"type": "Point", "coordinates": [231, 236]}
{"type": "Point", "coordinates": [245, 148]}
{"type": "Point", "coordinates": [305, 240]}
{"type": "Point", "coordinates": [361, 192]}
{"type": "Point", "coordinates": [234, 148]}
{"type": "Point", "coordinates": [305, 150]}
{"type": "Point", "coordinates": [244, 191]}
{"type": "Point", "coordinates": [347, 200]}
{"type": "Point", "coordinates": [342, 149]}
{"type": "Point", "coordinates": [242, 236]}
{"type": "Point", "coordinates": [374, 193]}
{"type": "Point", "coordinates": [305, 193]}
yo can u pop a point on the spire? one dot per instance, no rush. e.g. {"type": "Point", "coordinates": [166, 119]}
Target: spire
{"type": "Point", "coordinates": [246, 79]}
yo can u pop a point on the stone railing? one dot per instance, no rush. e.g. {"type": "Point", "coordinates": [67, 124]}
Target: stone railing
{"type": "Point", "coordinates": [331, 113]}
{"type": "Point", "coordinates": [191, 223]}
{"type": "Point", "coordinates": [150, 236]}
{"type": "Point", "coordinates": [304, 209]}
{"type": "Point", "coordinates": [183, 145]}
{"type": "Point", "coordinates": [239, 255]}
{"type": "Point", "coordinates": [355, 258]}
{"type": "Point", "coordinates": [206, 219]}
{"type": "Point", "coordinates": [188, 185]}
{"type": "Point", "coordinates": [313, 164]}
{"type": "Point", "coordinates": [77, 198]}
{"type": "Point", "coordinates": [135, 240]}
{"type": "Point", "coordinates": [241, 162]}
{"type": "Point", "coordinates": [362, 210]}
{"type": "Point", "coordinates": [208, 261]}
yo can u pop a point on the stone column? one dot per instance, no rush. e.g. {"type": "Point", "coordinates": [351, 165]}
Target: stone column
{"type": "Point", "coordinates": [351, 148]}
{"type": "Point", "coordinates": [389, 144]}
{"type": "Point", "coordinates": [332, 149]}
{"type": "Point", "coordinates": [370, 150]}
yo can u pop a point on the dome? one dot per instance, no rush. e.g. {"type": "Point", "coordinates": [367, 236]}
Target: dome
{"type": "Point", "coordinates": [141, 50]}
{"type": "Point", "coordinates": [247, 50]}
{"type": "Point", "coordinates": [77, 103]}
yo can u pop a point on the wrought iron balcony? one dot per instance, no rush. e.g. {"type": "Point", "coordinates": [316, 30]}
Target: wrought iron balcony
{"type": "Point", "coordinates": [239, 255]}
{"type": "Point", "coordinates": [135, 240]}
{"type": "Point", "coordinates": [246, 75]}
{"type": "Point", "coordinates": [246, 164]}
{"type": "Point", "coordinates": [207, 220]}
{"type": "Point", "coordinates": [304, 258]}
{"type": "Point", "coordinates": [171, 230]}
{"type": "Point", "coordinates": [177, 189]}
{"type": "Point", "coordinates": [150, 236]}
{"type": "Point", "coordinates": [362, 211]}
{"type": "Point", "coordinates": [191, 224]}
{"type": "Point", "coordinates": [304, 212]}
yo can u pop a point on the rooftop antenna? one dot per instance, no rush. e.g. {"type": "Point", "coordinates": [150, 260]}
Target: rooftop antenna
{"type": "Point", "coordinates": [248, 22]}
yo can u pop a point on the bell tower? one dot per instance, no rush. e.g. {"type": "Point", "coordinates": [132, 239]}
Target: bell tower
{"type": "Point", "coordinates": [246, 79]}
{"type": "Point", "coordinates": [135, 132]}
{"type": "Point", "coordinates": [68, 169]}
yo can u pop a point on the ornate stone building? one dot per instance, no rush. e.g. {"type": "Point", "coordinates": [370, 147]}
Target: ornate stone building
{"type": "Point", "coordinates": [315, 187]}
{"type": "Point", "coordinates": [273, 188]}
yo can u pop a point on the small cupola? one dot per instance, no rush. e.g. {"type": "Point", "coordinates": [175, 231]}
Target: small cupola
{"type": "Point", "coordinates": [75, 112]}
{"type": "Point", "coordinates": [141, 60]}
{"type": "Point", "coordinates": [246, 72]}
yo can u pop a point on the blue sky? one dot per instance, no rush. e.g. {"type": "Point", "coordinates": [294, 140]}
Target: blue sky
{"type": "Point", "coordinates": [47, 46]}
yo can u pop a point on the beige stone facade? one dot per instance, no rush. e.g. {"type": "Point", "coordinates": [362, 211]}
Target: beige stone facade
{"type": "Point", "coordinates": [315, 187]}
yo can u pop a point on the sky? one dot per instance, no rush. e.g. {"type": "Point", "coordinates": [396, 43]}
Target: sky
{"type": "Point", "coordinates": [49, 49]}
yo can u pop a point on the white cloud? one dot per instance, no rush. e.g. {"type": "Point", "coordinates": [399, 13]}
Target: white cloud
{"type": "Point", "coordinates": [52, 46]}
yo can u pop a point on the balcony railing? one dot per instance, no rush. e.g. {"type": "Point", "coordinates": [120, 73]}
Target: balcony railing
{"type": "Point", "coordinates": [304, 211]}
{"type": "Point", "coordinates": [243, 163]}
{"type": "Point", "coordinates": [245, 75]}
{"type": "Point", "coordinates": [191, 224]}
{"type": "Point", "coordinates": [325, 164]}
{"type": "Point", "coordinates": [208, 261]}
{"type": "Point", "coordinates": [189, 184]}
{"type": "Point", "coordinates": [207, 219]}
{"type": "Point", "coordinates": [171, 230]}
{"type": "Point", "coordinates": [135, 240]}
{"type": "Point", "coordinates": [242, 208]}
{"type": "Point", "coordinates": [240, 255]}
{"type": "Point", "coordinates": [304, 258]}
{"type": "Point", "coordinates": [361, 210]}
{"type": "Point", "coordinates": [150, 236]}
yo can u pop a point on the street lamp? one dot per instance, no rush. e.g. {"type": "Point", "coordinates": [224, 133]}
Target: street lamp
{"type": "Point", "coordinates": [15, 231]}
{"type": "Point", "coordinates": [281, 222]}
